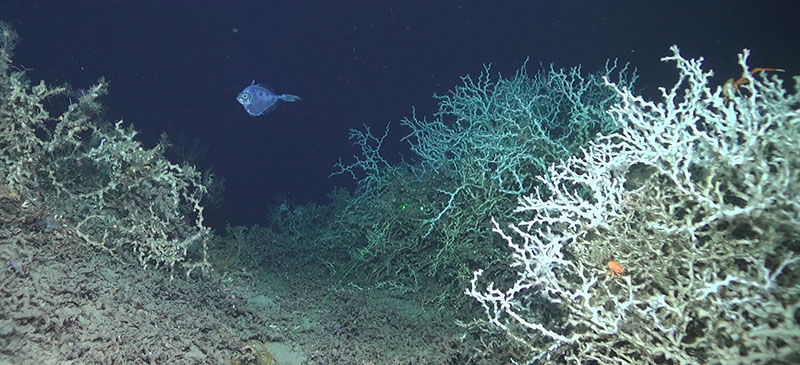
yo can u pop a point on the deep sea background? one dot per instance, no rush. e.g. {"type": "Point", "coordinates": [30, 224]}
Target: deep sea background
{"type": "Point", "coordinates": [176, 67]}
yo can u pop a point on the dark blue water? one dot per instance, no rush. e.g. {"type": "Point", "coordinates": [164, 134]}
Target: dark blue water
{"type": "Point", "coordinates": [176, 67]}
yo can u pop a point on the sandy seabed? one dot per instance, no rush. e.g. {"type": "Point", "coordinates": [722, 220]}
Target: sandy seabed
{"type": "Point", "coordinates": [63, 302]}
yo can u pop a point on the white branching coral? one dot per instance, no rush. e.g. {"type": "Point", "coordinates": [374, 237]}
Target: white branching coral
{"type": "Point", "coordinates": [696, 196]}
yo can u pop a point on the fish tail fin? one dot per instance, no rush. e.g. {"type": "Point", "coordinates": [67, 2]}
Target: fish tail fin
{"type": "Point", "coordinates": [290, 98]}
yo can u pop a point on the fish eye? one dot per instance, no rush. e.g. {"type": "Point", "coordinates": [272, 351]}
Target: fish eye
{"type": "Point", "coordinates": [245, 96]}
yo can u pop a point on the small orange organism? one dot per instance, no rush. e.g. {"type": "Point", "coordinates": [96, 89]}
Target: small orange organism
{"type": "Point", "coordinates": [731, 87]}
{"type": "Point", "coordinates": [615, 268]}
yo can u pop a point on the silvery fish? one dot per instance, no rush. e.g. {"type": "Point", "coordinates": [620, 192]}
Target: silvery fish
{"type": "Point", "coordinates": [258, 100]}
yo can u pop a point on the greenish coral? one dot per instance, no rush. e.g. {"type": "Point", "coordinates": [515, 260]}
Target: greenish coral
{"type": "Point", "coordinates": [8, 40]}
{"type": "Point", "coordinates": [508, 131]}
{"type": "Point", "coordinates": [488, 142]}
